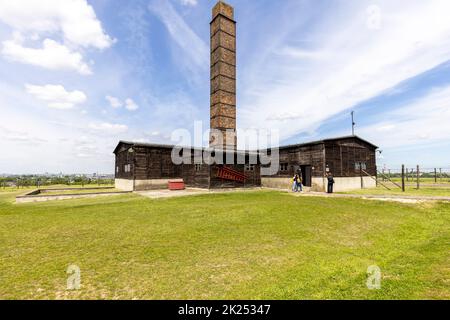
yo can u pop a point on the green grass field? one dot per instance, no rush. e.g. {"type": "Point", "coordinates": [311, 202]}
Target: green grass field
{"type": "Point", "coordinates": [78, 191]}
{"type": "Point", "coordinates": [30, 188]}
{"type": "Point", "coordinates": [253, 245]}
{"type": "Point", "coordinates": [409, 191]}
{"type": "Point", "coordinates": [426, 181]}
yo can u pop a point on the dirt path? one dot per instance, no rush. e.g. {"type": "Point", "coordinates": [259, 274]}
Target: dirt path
{"type": "Point", "coordinates": [396, 198]}
{"type": "Point", "coordinates": [161, 194]}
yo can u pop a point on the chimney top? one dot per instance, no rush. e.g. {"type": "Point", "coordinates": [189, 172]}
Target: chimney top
{"type": "Point", "coordinates": [221, 8]}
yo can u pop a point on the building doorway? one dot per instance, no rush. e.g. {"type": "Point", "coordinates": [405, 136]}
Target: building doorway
{"type": "Point", "coordinates": [306, 175]}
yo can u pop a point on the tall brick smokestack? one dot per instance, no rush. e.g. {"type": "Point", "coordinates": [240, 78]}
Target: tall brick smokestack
{"type": "Point", "coordinates": [223, 77]}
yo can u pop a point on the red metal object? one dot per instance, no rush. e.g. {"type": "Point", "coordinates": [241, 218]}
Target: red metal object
{"type": "Point", "coordinates": [175, 185]}
{"type": "Point", "coordinates": [230, 174]}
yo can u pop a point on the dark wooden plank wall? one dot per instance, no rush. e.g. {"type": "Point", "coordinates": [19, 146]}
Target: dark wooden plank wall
{"type": "Point", "coordinates": [294, 157]}
{"type": "Point", "coordinates": [253, 177]}
{"type": "Point", "coordinates": [341, 156]}
{"type": "Point", "coordinates": [154, 163]}
{"type": "Point", "coordinates": [123, 158]}
{"type": "Point", "coordinates": [196, 176]}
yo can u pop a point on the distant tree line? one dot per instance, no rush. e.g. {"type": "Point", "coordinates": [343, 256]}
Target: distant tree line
{"type": "Point", "coordinates": [38, 181]}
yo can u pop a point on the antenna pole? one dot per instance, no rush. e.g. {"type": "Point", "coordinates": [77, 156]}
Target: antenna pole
{"type": "Point", "coordinates": [353, 123]}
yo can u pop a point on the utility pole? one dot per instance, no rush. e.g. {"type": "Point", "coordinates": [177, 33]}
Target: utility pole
{"type": "Point", "coordinates": [353, 123]}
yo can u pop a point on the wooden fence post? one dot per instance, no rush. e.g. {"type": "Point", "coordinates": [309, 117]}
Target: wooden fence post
{"type": "Point", "coordinates": [376, 177]}
{"type": "Point", "coordinates": [418, 178]}
{"type": "Point", "coordinates": [403, 177]}
{"type": "Point", "coordinates": [361, 174]}
{"type": "Point", "coordinates": [435, 175]}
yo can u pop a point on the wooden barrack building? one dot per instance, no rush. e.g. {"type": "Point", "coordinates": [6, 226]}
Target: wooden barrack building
{"type": "Point", "coordinates": [141, 166]}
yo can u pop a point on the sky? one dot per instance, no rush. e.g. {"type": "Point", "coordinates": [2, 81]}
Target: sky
{"type": "Point", "coordinates": [78, 76]}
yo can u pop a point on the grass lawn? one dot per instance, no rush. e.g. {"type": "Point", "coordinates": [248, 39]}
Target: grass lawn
{"type": "Point", "coordinates": [443, 180]}
{"type": "Point", "coordinates": [409, 191]}
{"type": "Point", "coordinates": [78, 191]}
{"type": "Point", "coordinates": [55, 186]}
{"type": "Point", "coordinates": [251, 245]}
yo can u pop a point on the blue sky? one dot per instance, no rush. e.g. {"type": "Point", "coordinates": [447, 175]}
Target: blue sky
{"type": "Point", "coordinates": [77, 76]}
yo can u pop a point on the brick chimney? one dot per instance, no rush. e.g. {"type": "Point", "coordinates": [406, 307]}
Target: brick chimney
{"type": "Point", "coordinates": [223, 77]}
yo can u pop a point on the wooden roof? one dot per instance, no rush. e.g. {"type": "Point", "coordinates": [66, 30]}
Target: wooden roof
{"type": "Point", "coordinates": [328, 140]}
{"type": "Point", "coordinates": [165, 146]}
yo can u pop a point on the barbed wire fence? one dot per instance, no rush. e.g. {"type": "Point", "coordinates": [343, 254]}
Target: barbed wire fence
{"type": "Point", "coordinates": [415, 176]}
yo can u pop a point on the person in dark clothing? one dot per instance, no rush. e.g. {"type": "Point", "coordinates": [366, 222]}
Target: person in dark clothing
{"type": "Point", "coordinates": [330, 182]}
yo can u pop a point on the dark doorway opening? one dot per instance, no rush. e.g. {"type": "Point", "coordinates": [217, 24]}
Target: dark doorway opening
{"type": "Point", "coordinates": [306, 175]}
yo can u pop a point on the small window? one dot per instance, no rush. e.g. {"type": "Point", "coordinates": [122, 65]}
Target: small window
{"type": "Point", "coordinates": [117, 169]}
{"type": "Point", "coordinates": [284, 167]}
{"type": "Point", "coordinates": [198, 167]}
{"type": "Point", "coordinates": [127, 168]}
{"type": "Point", "coordinates": [360, 166]}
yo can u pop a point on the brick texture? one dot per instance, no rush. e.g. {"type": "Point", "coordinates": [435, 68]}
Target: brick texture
{"type": "Point", "coordinates": [223, 110]}
{"type": "Point", "coordinates": [223, 9]}
{"type": "Point", "coordinates": [223, 83]}
{"type": "Point", "coordinates": [223, 40]}
{"type": "Point", "coordinates": [223, 55]}
{"type": "Point", "coordinates": [223, 69]}
{"type": "Point", "coordinates": [224, 24]}
{"type": "Point", "coordinates": [223, 97]}
{"type": "Point", "coordinates": [223, 123]}
{"type": "Point", "coordinates": [223, 78]}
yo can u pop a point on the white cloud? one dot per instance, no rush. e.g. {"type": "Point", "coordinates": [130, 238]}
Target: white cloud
{"type": "Point", "coordinates": [108, 128]}
{"type": "Point", "coordinates": [114, 102]}
{"type": "Point", "coordinates": [20, 136]}
{"type": "Point", "coordinates": [298, 53]}
{"type": "Point", "coordinates": [423, 121]}
{"type": "Point", "coordinates": [52, 55]}
{"type": "Point", "coordinates": [56, 96]}
{"type": "Point", "coordinates": [131, 105]}
{"type": "Point", "coordinates": [195, 53]}
{"type": "Point", "coordinates": [191, 3]}
{"type": "Point", "coordinates": [385, 128]}
{"type": "Point", "coordinates": [73, 20]}
{"type": "Point", "coordinates": [339, 63]}
{"type": "Point", "coordinates": [117, 103]}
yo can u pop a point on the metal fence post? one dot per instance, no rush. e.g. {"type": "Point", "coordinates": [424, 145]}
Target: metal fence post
{"type": "Point", "coordinates": [403, 177]}
{"type": "Point", "coordinates": [418, 178]}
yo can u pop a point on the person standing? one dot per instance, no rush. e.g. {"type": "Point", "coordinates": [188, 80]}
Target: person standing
{"type": "Point", "coordinates": [299, 184]}
{"type": "Point", "coordinates": [330, 182]}
{"type": "Point", "coordinates": [294, 183]}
